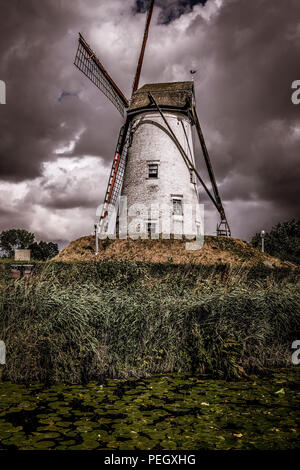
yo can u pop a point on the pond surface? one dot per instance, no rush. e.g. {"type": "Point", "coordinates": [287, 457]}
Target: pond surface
{"type": "Point", "coordinates": [163, 412]}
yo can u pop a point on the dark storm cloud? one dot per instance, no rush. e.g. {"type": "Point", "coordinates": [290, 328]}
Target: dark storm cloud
{"type": "Point", "coordinates": [29, 122]}
{"type": "Point", "coordinates": [37, 49]}
{"type": "Point", "coordinates": [245, 53]}
{"type": "Point", "coordinates": [170, 9]}
{"type": "Point", "coordinates": [253, 46]}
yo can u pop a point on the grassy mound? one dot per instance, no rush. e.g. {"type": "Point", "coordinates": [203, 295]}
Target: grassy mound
{"type": "Point", "coordinates": [215, 250]}
{"type": "Point", "coordinates": [75, 322]}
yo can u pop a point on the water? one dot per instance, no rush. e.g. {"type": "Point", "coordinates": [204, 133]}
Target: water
{"type": "Point", "coordinates": [163, 412]}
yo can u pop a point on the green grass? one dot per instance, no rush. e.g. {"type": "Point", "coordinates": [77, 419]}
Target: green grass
{"type": "Point", "coordinates": [75, 322]}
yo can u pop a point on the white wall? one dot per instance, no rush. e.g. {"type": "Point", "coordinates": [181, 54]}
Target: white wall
{"type": "Point", "coordinates": [149, 144]}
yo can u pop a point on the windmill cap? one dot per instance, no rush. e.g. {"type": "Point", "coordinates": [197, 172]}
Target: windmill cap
{"type": "Point", "coordinates": [167, 95]}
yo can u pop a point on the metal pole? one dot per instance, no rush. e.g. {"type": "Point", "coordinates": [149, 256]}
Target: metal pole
{"type": "Point", "coordinates": [96, 239]}
{"type": "Point", "coordinates": [262, 234]}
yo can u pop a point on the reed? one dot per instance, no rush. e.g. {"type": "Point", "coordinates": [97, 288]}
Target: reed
{"type": "Point", "coordinates": [76, 322]}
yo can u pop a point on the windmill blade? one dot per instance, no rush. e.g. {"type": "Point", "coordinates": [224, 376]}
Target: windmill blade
{"type": "Point", "coordinates": [87, 62]}
{"type": "Point", "coordinates": [141, 58]}
{"type": "Point", "coordinates": [115, 181]}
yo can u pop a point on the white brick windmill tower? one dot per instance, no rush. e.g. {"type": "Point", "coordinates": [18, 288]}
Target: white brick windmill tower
{"type": "Point", "coordinates": [156, 174]}
{"type": "Point", "coordinates": [154, 160]}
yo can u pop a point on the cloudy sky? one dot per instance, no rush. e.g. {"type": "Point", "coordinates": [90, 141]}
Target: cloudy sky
{"type": "Point", "coordinates": [58, 132]}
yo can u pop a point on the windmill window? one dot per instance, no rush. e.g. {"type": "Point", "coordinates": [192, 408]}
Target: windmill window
{"type": "Point", "coordinates": [152, 170]}
{"type": "Point", "coordinates": [151, 227]}
{"type": "Point", "coordinates": [177, 206]}
{"type": "Point", "coordinates": [192, 176]}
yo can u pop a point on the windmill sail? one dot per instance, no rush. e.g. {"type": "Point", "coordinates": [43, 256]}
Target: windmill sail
{"type": "Point", "coordinates": [142, 53]}
{"type": "Point", "coordinates": [115, 181]}
{"type": "Point", "coordinates": [87, 62]}
{"type": "Point", "coordinates": [116, 177]}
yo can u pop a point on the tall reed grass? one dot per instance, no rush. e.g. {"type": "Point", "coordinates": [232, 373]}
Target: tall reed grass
{"type": "Point", "coordinates": [75, 322]}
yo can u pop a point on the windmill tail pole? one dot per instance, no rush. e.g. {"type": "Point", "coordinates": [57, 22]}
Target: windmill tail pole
{"type": "Point", "coordinates": [211, 174]}
{"type": "Point", "coordinates": [188, 162]}
{"type": "Point", "coordinates": [146, 33]}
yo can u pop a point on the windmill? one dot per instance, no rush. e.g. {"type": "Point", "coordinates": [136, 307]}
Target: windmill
{"type": "Point", "coordinates": [154, 158]}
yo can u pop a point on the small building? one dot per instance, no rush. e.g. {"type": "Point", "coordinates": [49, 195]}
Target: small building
{"type": "Point", "coordinates": [21, 270]}
{"type": "Point", "coordinates": [22, 255]}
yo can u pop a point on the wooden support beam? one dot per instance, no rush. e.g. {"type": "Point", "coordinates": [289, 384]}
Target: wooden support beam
{"type": "Point", "coordinates": [183, 153]}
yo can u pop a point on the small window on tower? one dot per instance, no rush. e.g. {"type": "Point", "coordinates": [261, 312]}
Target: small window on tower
{"type": "Point", "coordinates": [151, 227]}
{"type": "Point", "coordinates": [152, 170]}
{"type": "Point", "coordinates": [192, 176]}
{"type": "Point", "coordinates": [177, 206]}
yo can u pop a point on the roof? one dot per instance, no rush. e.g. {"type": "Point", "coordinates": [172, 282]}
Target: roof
{"type": "Point", "coordinates": [174, 94]}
